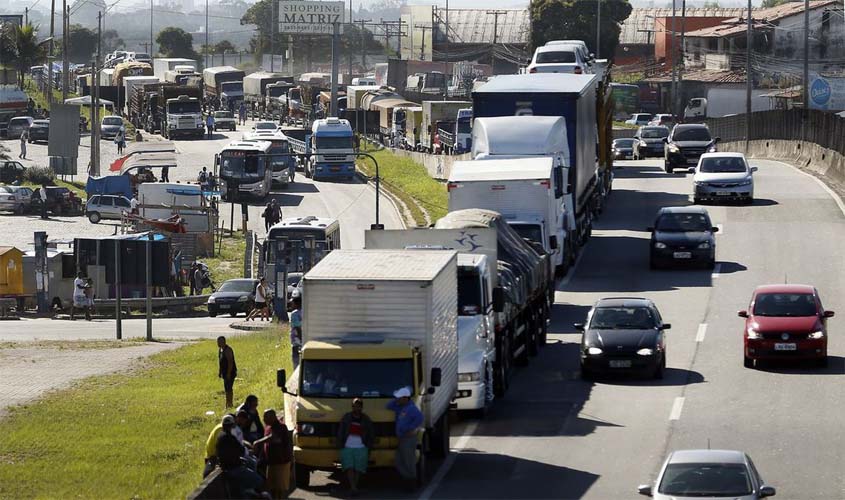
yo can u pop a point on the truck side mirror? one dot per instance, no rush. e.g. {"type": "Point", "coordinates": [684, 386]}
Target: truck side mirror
{"type": "Point", "coordinates": [281, 378]}
{"type": "Point", "coordinates": [217, 159]}
{"type": "Point", "coordinates": [436, 377]}
{"type": "Point", "coordinates": [553, 242]}
{"type": "Point", "coordinates": [498, 299]}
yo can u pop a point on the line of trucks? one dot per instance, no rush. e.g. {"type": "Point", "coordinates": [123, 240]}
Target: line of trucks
{"type": "Point", "coordinates": [448, 311]}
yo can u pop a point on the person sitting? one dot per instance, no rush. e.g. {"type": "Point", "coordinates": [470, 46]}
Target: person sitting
{"type": "Point", "coordinates": [254, 429]}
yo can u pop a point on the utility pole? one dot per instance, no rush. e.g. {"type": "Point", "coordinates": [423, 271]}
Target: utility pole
{"type": "Point", "coordinates": [95, 104]}
{"type": "Point", "coordinates": [25, 16]}
{"type": "Point", "coordinates": [65, 62]}
{"type": "Point", "coordinates": [146, 46]}
{"type": "Point", "coordinates": [363, 44]}
{"type": "Point", "coordinates": [680, 101]}
{"type": "Point", "coordinates": [52, 53]}
{"type": "Point", "coordinates": [349, 49]}
{"type": "Point", "coordinates": [424, 28]}
{"type": "Point", "coordinates": [272, 35]}
{"type": "Point", "coordinates": [446, 50]}
{"type": "Point", "coordinates": [496, 14]}
{"type": "Point", "coordinates": [806, 96]}
{"type": "Point", "coordinates": [674, 60]}
{"type": "Point", "coordinates": [206, 34]}
{"type": "Point", "coordinates": [748, 82]}
{"type": "Point", "coordinates": [335, 67]}
{"type": "Point", "coordinates": [598, 29]}
{"type": "Point", "coordinates": [152, 47]}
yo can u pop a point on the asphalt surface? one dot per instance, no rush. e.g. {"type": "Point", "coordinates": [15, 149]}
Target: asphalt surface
{"type": "Point", "coordinates": [556, 436]}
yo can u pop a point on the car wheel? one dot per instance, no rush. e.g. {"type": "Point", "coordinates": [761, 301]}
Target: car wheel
{"type": "Point", "coordinates": [822, 362]}
{"type": "Point", "coordinates": [212, 314]}
{"type": "Point", "coordinates": [94, 217]}
{"type": "Point", "coordinates": [302, 476]}
{"type": "Point", "coordinates": [747, 362]}
{"type": "Point", "coordinates": [660, 368]}
{"type": "Point", "coordinates": [233, 314]}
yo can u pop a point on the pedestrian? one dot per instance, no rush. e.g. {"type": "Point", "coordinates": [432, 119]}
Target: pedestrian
{"type": "Point", "coordinates": [199, 279]}
{"type": "Point", "coordinates": [228, 426]}
{"type": "Point", "coordinates": [242, 114]}
{"type": "Point", "coordinates": [42, 193]}
{"type": "Point", "coordinates": [138, 136]}
{"type": "Point", "coordinates": [409, 418]}
{"type": "Point", "coordinates": [267, 215]}
{"type": "Point", "coordinates": [202, 178]}
{"type": "Point", "coordinates": [276, 211]}
{"type": "Point", "coordinates": [291, 169]}
{"type": "Point", "coordinates": [80, 299]}
{"type": "Point", "coordinates": [296, 330]}
{"type": "Point", "coordinates": [228, 369]}
{"type": "Point", "coordinates": [24, 138]}
{"type": "Point", "coordinates": [165, 174]}
{"type": "Point", "coordinates": [254, 429]}
{"type": "Point", "coordinates": [133, 205]}
{"type": "Point", "coordinates": [120, 140]}
{"type": "Point", "coordinates": [89, 297]}
{"type": "Point", "coordinates": [260, 302]}
{"type": "Point", "coordinates": [355, 437]}
{"type": "Point", "coordinates": [278, 454]}
{"type": "Point", "coordinates": [209, 125]}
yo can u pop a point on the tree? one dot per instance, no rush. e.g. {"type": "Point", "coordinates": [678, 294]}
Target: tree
{"type": "Point", "coordinates": [772, 3]}
{"type": "Point", "coordinates": [224, 47]}
{"type": "Point", "coordinates": [176, 42]}
{"type": "Point", "coordinates": [576, 20]}
{"type": "Point", "coordinates": [21, 49]}
{"type": "Point", "coordinates": [82, 44]}
{"type": "Point", "coordinates": [711, 4]}
{"type": "Point", "coordinates": [112, 41]}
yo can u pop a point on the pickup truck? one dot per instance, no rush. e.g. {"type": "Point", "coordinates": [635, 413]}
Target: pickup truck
{"type": "Point", "coordinates": [224, 120]}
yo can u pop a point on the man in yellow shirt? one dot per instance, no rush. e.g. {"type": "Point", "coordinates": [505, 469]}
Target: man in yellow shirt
{"type": "Point", "coordinates": [227, 425]}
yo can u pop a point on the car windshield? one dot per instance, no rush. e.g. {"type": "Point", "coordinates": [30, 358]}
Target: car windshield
{"type": "Point", "coordinates": [556, 57]}
{"type": "Point", "coordinates": [469, 293]}
{"type": "Point", "coordinates": [223, 114]}
{"type": "Point", "coordinates": [266, 126]}
{"type": "Point", "coordinates": [5, 189]}
{"type": "Point", "coordinates": [623, 143]}
{"type": "Point", "coordinates": [366, 378]}
{"type": "Point", "coordinates": [334, 142]}
{"type": "Point", "coordinates": [532, 232]}
{"type": "Point", "coordinates": [112, 120]}
{"type": "Point", "coordinates": [730, 164]}
{"type": "Point", "coordinates": [642, 117]}
{"type": "Point", "coordinates": [622, 318]}
{"type": "Point", "coordinates": [785, 304]}
{"type": "Point", "coordinates": [654, 133]}
{"type": "Point", "coordinates": [41, 123]}
{"type": "Point", "coordinates": [184, 107]}
{"type": "Point", "coordinates": [691, 134]}
{"type": "Point", "coordinates": [678, 222]}
{"type": "Point", "coordinates": [705, 480]}
{"type": "Point", "coordinates": [237, 286]}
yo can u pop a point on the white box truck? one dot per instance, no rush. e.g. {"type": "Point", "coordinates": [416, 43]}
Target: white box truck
{"type": "Point", "coordinates": [374, 321]}
{"type": "Point", "coordinates": [164, 64]}
{"type": "Point", "coordinates": [523, 190]}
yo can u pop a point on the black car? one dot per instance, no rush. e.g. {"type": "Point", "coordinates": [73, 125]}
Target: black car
{"type": "Point", "coordinates": [623, 335]}
{"type": "Point", "coordinates": [39, 131]}
{"type": "Point", "coordinates": [686, 144]}
{"type": "Point", "coordinates": [682, 235]}
{"type": "Point", "coordinates": [60, 201]}
{"type": "Point", "coordinates": [11, 171]}
{"type": "Point", "coordinates": [233, 297]}
{"type": "Point", "coordinates": [648, 141]}
{"type": "Point", "coordinates": [623, 149]}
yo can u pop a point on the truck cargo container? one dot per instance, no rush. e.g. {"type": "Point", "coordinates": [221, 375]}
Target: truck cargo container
{"type": "Point", "coordinates": [434, 114]}
{"type": "Point", "coordinates": [223, 86]}
{"type": "Point", "coordinates": [133, 85]}
{"type": "Point", "coordinates": [129, 68]}
{"type": "Point", "coordinates": [162, 65]}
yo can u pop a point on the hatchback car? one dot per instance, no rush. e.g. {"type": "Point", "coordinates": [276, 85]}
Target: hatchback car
{"type": "Point", "coordinates": [623, 149]}
{"type": "Point", "coordinates": [15, 198]}
{"type": "Point", "coordinates": [685, 145]}
{"type": "Point", "coordinates": [225, 120]}
{"type": "Point", "coordinates": [233, 297]}
{"type": "Point", "coordinates": [639, 119]}
{"type": "Point", "coordinates": [110, 126]}
{"type": "Point", "coordinates": [649, 141]}
{"type": "Point", "coordinates": [106, 206]}
{"type": "Point", "coordinates": [663, 119]}
{"type": "Point", "coordinates": [559, 58]}
{"type": "Point", "coordinates": [723, 176]}
{"type": "Point", "coordinates": [727, 474]}
{"type": "Point", "coordinates": [39, 131]}
{"type": "Point", "coordinates": [785, 322]}
{"type": "Point", "coordinates": [17, 125]}
{"type": "Point", "coordinates": [682, 235]}
{"type": "Point", "coordinates": [623, 335]}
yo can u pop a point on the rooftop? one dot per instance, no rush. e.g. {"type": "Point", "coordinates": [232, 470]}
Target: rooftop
{"type": "Point", "coordinates": [636, 29]}
{"type": "Point", "coordinates": [475, 26]}
{"type": "Point", "coordinates": [761, 19]}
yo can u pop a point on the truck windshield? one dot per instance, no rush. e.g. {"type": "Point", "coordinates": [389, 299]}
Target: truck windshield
{"type": "Point", "coordinates": [295, 94]}
{"type": "Point", "coordinates": [232, 87]}
{"type": "Point", "coordinates": [365, 378]}
{"type": "Point", "coordinates": [531, 232]}
{"type": "Point", "coordinates": [344, 142]}
{"type": "Point", "coordinates": [469, 293]}
{"type": "Point", "coordinates": [241, 164]}
{"type": "Point", "coordinates": [184, 107]}
{"type": "Point", "coordinates": [464, 126]}
{"type": "Point", "coordinates": [280, 162]}
{"type": "Point", "coordinates": [277, 91]}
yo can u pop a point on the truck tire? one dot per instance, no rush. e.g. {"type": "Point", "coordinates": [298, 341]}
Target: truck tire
{"type": "Point", "coordinates": [422, 467]}
{"type": "Point", "coordinates": [502, 377]}
{"type": "Point", "coordinates": [440, 437]}
{"type": "Point", "coordinates": [533, 347]}
{"type": "Point", "coordinates": [302, 475]}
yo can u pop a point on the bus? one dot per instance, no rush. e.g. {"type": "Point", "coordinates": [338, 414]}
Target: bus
{"type": "Point", "coordinates": [626, 100]}
{"type": "Point", "coordinates": [281, 147]}
{"type": "Point", "coordinates": [303, 241]}
{"type": "Point", "coordinates": [245, 170]}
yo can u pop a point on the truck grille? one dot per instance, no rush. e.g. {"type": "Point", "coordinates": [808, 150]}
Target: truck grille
{"type": "Point", "coordinates": [330, 429]}
{"type": "Point", "coordinates": [335, 157]}
{"type": "Point", "coordinates": [185, 123]}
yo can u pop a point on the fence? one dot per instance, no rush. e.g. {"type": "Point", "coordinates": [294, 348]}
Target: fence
{"type": "Point", "coordinates": [822, 128]}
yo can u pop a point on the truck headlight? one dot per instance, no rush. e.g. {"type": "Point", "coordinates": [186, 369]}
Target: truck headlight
{"type": "Point", "coordinates": [172, 125]}
{"type": "Point", "coordinates": [211, 299]}
{"type": "Point", "coordinates": [660, 245]}
{"type": "Point", "coordinates": [645, 352]}
{"type": "Point", "coordinates": [199, 125]}
{"type": "Point", "coordinates": [469, 377]}
{"type": "Point", "coordinates": [704, 246]}
{"type": "Point", "coordinates": [816, 335]}
{"type": "Point", "coordinates": [305, 429]}
{"type": "Point", "coordinates": [594, 351]}
{"type": "Point", "coordinates": [753, 334]}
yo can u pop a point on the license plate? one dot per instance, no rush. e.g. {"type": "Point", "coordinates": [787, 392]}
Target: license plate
{"type": "Point", "coordinates": [692, 161]}
{"type": "Point", "coordinates": [620, 363]}
{"type": "Point", "coordinates": [335, 169]}
{"type": "Point", "coordinates": [224, 306]}
{"type": "Point", "coordinates": [723, 193]}
{"type": "Point", "coordinates": [785, 347]}
{"type": "Point", "coordinates": [682, 255]}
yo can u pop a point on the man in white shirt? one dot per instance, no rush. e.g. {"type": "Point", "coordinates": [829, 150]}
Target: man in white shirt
{"type": "Point", "coordinates": [133, 205]}
{"type": "Point", "coordinates": [80, 300]}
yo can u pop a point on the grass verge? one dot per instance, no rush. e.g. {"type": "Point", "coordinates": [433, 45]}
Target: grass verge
{"type": "Point", "coordinates": [228, 263]}
{"type": "Point", "coordinates": [77, 187]}
{"type": "Point", "coordinates": [135, 435]}
{"type": "Point", "coordinates": [410, 182]}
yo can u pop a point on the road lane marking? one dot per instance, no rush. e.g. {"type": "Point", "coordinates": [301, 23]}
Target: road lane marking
{"type": "Point", "coordinates": [677, 407]}
{"type": "Point", "coordinates": [716, 270]}
{"type": "Point", "coordinates": [449, 462]}
{"type": "Point", "coordinates": [702, 331]}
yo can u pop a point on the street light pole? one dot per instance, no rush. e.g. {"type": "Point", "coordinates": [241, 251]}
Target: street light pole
{"type": "Point", "coordinates": [598, 29]}
{"type": "Point", "coordinates": [152, 49]}
{"type": "Point", "coordinates": [206, 34]}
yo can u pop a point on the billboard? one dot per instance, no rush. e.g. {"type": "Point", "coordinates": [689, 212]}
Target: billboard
{"type": "Point", "coordinates": [827, 93]}
{"type": "Point", "coordinates": [64, 131]}
{"type": "Point", "coordinates": [299, 17]}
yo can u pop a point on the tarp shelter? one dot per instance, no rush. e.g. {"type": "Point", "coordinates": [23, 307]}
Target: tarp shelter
{"type": "Point", "coordinates": [147, 161]}
{"type": "Point", "coordinates": [86, 101]}
{"type": "Point", "coordinates": [109, 184]}
{"type": "Point", "coordinates": [137, 149]}
{"type": "Point", "coordinates": [11, 271]}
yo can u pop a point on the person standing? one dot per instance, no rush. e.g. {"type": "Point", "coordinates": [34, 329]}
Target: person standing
{"type": "Point", "coordinates": [133, 205]}
{"type": "Point", "coordinates": [242, 114]}
{"type": "Point", "coordinates": [228, 369]}
{"type": "Point", "coordinates": [260, 302]}
{"type": "Point", "coordinates": [276, 211]}
{"type": "Point", "coordinates": [278, 453]}
{"type": "Point", "coordinates": [267, 215]}
{"type": "Point", "coordinates": [120, 140]}
{"type": "Point", "coordinates": [80, 298]}
{"type": "Point", "coordinates": [254, 429]}
{"type": "Point", "coordinates": [198, 280]}
{"type": "Point", "coordinates": [202, 178]}
{"type": "Point", "coordinates": [296, 330]}
{"type": "Point", "coordinates": [42, 193]}
{"type": "Point", "coordinates": [408, 420]}
{"type": "Point", "coordinates": [24, 138]}
{"type": "Point", "coordinates": [355, 437]}
{"type": "Point", "coordinates": [165, 174]}
{"type": "Point", "coordinates": [209, 125]}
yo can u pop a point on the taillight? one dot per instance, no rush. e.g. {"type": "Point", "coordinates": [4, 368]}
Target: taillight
{"type": "Point", "coordinates": [452, 185]}
{"type": "Point", "coordinates": [545, 183]}
{"type": "Point", "coordinates": [532, 70]}
{"type": "Point", "coordinates": [578, 70]}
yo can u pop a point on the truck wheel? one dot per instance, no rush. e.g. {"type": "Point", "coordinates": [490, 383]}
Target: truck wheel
{"type": "Point", "coordinates": [94, 217]}
{"type": "Point", "coordinates": [502, 377]}
{"type": "Point", "coordinates": [422, 468]}
{"type": "Point", "coordinates": [534, 339]}
{"type": "Point", "coordinates": [302, 475]}
{"type": "Point", "coordinates": [440, 437]}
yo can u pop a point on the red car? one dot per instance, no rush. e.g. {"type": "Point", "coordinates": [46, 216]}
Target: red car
{"type": "Point", "coordinates": [785, 322]}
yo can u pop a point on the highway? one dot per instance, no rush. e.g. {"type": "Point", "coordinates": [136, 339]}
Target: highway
{"type": "Point", "coordinates": [556, 436]}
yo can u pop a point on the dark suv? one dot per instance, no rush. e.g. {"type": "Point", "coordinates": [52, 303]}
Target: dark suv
{"type": "Point", "coordinates": [686, 144]}
{"type": "Point", "coordinates": [60, 201]}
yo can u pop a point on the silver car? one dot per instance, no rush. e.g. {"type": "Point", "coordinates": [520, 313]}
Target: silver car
{"type": "Point", "coordinates": [15, 198]}
{"type": "Point", "coordinates": [688, 474]}
{"type": "Point", "coordinates": [110, 126]}
{"type": "Point", "coordinates": [723, 176]}
{"type": "Point", "coordinates": [17, 125]}
{"type": "Point", "coordinates": [106, 206]}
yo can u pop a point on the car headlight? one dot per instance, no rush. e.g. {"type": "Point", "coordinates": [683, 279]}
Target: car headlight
{"type": "Point", "coordinates": [704, 246]}
{"type": "Point", "coordinates": [594, 351]}
{"type": "Point", "coordinates": [660, 245]}
{"type": "Point", "coordinates": [211, 299]}
{"type": "Point", "coordinates": [746, 182]}
{"type": "Point", "coordinates": [673, 148]}
{"type": "Point", "coordinates": [243, 298]}
{"type": "Point", "coordinates": [753, 334]}
{"type": "Point", "coordinates": [645, 352]}
{"type": "Point", "coordinates": [469, 377]}
{"type": "Point", "coordinates": [260, 185]}
{"type": "Point", "coordinates": [816, 335]}
{"type": "Point", "coordinates": [305, 429]}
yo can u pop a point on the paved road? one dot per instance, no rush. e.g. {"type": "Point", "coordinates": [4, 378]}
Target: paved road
{"type": "Point", "coordinates": [104, 329]}
{"type": "Point", "coordinates": [556, 436]}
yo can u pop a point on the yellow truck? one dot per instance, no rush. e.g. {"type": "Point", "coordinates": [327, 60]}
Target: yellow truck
{"type": "Point", "coordinates": [374, 321]}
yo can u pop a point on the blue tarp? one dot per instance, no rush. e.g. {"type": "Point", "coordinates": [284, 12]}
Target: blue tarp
{"type": "Point", "coordinates": [110, 184]}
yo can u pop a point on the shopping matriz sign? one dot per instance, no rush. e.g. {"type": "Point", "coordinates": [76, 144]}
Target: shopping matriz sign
{"type": "Point", "coordinates": [310, 18]}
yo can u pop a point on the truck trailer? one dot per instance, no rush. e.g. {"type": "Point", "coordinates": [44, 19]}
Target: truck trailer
{"type": "Point", "coordinates": [162, 65]}
{"type": "Point", "coordinates": [223, 86]}
{"type": "Point", "coordinates": [436, 114]}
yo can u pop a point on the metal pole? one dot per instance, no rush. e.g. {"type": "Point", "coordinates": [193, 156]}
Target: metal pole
{"type": "Point", "coordinates": [377, 189]}
{"type": "Point", "coordinates": [95, 126]}
{"type": "Point", "coordinates": [674, 61]}
{"type": "Point", "coordinates": [149, 280]}
{"type": "Point", "coordinates": [335, 68]}
{"type": "Point", "coordinates": [206, 34]}
{"type": "Point", "coordinates": [806, 92]}
{"type": "Point", "coordinates": [679, 106]}
{"type": "Point", "coordinates": [363, 48]}
{"type": "Point", "coordinates": [65, 62]}
{"type": "Point", "coordinates": [152, 48]}
{"type": "Point", "coordinates": [117, 291]}
{"type": "Point", "coordinates": [446, 50]}
{"type": "Point", "coordinates": [748, 82]}
{"type": "Point", "coordinates": [52, 53]}
{"type": "Point", "coordinates": [272, 35]}
{"type": "Point", "coordinates": [350, 45]}
{"type": "Point", "coordinates": [598, 28]}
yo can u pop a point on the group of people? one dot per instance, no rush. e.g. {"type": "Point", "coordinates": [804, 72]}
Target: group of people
{"type": "Point", "coordinates": [199, 278]}
{"type": "Point", "coordinates": [206, 180]}
{"type": "Point", "coordinates": [272, 215]}
{"type": "Point", "coordinates": [255, 454]}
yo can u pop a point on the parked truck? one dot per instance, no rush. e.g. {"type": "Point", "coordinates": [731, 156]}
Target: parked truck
{"type": "Point", "coordinates": [434, 114]}
{"type": "Point", "coordinates": [180, 75]}
{"type": "Point", "coordinates": [374, 322]}
{"type": "Point", "coordinates": [13, 102]}
{"type": "Point", "coordinates": [456, 136]}
{"type": "Point", "coordinates": [413, 125]}
{"type": "Point", "coordinates": [162, 65]}
{"type": "Point", "coordinates": [133, 85]}
{"type": "Point", "coordinates": [522, 293]}
{"type": "Point", "coordinates": [255, 87]}
{"type": "Point", "coordinates": [331, 149]}
{"type": "Point", "coordinates": [276, 100]}
{"type": "Point", "coordinates": [584, 103]}
{"type": "Point", "coordinates": [477, 302]}
{"type": "Point", "coordinates": [524, 190]}
{"type": "Point", "coordinates": [129, 68]}
{"type": "Point", "coordinates": [223, 87]}
{"type": "Point", "coordinates": [179, 111]}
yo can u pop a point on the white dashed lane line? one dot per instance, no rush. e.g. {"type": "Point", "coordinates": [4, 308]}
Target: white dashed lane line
{"type": "Point", "coordinates": [677, 408]}
{"type": "Point", "coordinates": [702, 331]}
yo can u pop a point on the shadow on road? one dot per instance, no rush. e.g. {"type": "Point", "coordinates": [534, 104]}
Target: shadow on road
{"type": "Point", "coordinates": [730, 267]}
{"type": "Point", "coordinates": [643, 172]}
{"type": "Point", "coordinates": [297, 187]}
{"type": "Point", "coordinates": [835, 366]}
{"type": "Point", "coordinates": [671, 377]}
{"type": "Point", "coordinates": [635, 210]}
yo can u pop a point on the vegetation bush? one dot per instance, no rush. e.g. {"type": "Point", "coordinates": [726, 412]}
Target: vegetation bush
{"type": "Point", "coordinates": [39, 176]}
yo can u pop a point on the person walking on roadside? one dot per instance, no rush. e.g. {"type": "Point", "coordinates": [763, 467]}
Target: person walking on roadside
{"type": "Point", "coordinates": [202, 178]}
{"type": "Point", "coordinates": [24, 138]}
{"type": "Point", "coordinates": [276, 210]}
{"type": "Point", "coordinates": [227, 368]}
{"type": "Point", "coordinates": [278, 454]}
{"type": "Point", "coordinates": [165, 174]}
{"type": "Point", "coordinates": [296, 330]}
{"type": "Point", "coordinates": [120, 140]}
{"type": "Point", "coordinates": [409, 418]}
{"type": "Point", "coordinates": [260, 302]}
{"type": "Point", "coordinates": [42, 193]}
{"type": "Point", "coordinates": [209, 125]}
{"type": "Point", "coordinates": [355, 438]}
{"type": "Point", "coordinates": [133, 205]}
{"type": "Point", "coordinates": [80, 298]}
{"type": "Point", "coordinates": [267, 215]}
{"type": "Point", "coordinates": [242, 114]}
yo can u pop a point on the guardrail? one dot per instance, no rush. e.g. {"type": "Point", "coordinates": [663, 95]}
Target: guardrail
{"type": "Point", "coordinates": [186, 302]}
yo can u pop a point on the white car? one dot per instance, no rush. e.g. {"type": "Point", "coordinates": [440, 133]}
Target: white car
{"type": "Point", "coordinates": [15, 198]}
{"type": "Point", "coordinates": [581, 44]}
{"type": "Point", "coordinates": [723, 176]}
{"type": "Point", "coordinates": [559, 58]}
{"type": "Point", "coordinates": [106, 206]}
{"type": "Point", "coordinates": [266, 126]}
{"type": "Point", "coordinates": [639, 119]}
